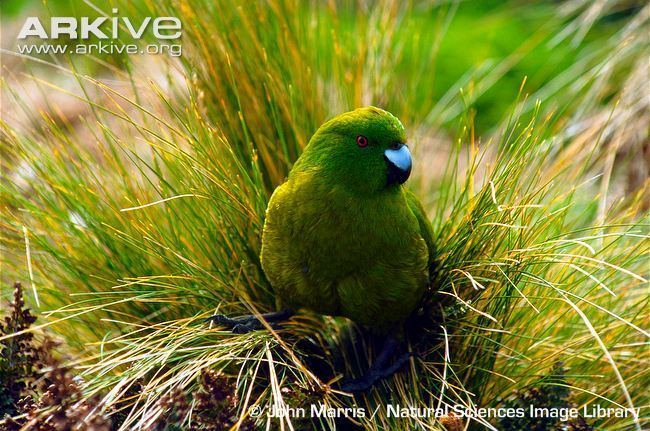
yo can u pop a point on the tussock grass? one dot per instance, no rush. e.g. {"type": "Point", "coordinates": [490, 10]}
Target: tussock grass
{"type": "Point", "coordinates": [145, 217]}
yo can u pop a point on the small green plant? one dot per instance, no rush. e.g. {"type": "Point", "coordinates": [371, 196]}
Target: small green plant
{"type": "Point", "coordinates": [17, 354]}
{"type": "Point", "coordinates": [37, 392]}
{"type": "Point", "coordinates": [552, 392]}
{"type": "Point", "coordinates": [212, 407]}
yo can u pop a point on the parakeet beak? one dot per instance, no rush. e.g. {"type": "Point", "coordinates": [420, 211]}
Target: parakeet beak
{"type": "Point", "coordinates": [399, 164]}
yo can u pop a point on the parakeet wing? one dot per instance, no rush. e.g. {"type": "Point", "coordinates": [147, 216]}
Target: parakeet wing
{"type": "Point", "coordinates": [425, 226]}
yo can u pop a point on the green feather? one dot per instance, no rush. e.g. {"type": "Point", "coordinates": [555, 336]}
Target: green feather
{"type": "Point", "coordinates": [337, 238]}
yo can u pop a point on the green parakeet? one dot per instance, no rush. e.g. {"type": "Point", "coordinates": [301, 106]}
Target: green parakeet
{"type": "Point", "coordinates": [343, 237]}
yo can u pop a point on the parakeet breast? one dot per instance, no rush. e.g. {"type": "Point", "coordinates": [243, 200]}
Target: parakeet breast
{"type": "Point", "coordinates": [337, 253]}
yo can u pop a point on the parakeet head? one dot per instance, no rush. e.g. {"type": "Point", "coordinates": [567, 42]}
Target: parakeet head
{"type": "Point", "coordinates": [363, 151]}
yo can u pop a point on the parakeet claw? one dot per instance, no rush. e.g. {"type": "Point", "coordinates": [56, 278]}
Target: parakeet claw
{"type": "Point", "coordinates": [378, 371]}
{"type": "Point", "coordinates": [358, 385]}
{"type": "Point", "coordinates": [245, 328]}
{"type": "Point", "coordinates": [374, 375]}
{"type": "Point", "coordinates": [223, 320]}
{"type": "Point", "coordinates": [246, 324]}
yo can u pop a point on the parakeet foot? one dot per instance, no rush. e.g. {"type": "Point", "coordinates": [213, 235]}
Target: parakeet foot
{"type": "Point", "coordinates": [378, 370]}
{"type": "Point", "coordinates": [249, 323]}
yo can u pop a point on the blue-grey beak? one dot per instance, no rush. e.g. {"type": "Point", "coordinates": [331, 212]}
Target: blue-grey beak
{"type": "Point", "coordinates": [399, 164]}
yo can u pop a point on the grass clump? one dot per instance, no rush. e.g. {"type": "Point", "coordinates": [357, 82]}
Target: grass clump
{"type": "Point", "coordinates": [144, 216]}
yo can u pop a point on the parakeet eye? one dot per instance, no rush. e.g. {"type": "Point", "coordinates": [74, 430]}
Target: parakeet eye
{"type": "Point", "coordinates": [362, 141]}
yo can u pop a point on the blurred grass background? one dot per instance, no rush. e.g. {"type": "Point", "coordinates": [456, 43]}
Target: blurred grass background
{"type": "Point", "coordinates": [137, 187]}
{"type": "Point", "coordinates": [437, 47]}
